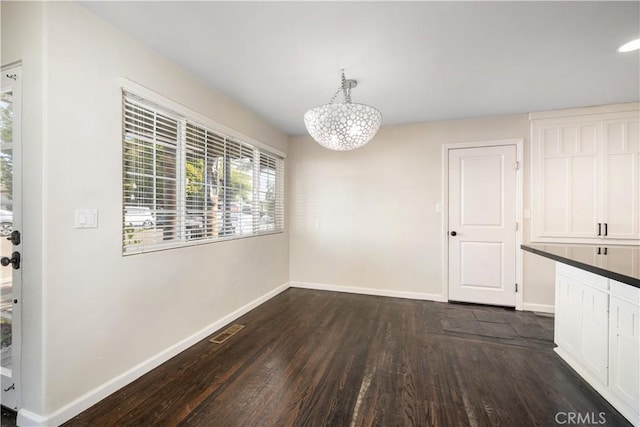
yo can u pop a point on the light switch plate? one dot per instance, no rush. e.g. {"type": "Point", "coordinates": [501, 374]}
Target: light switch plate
{"type": "Point", "coordinates": [86, 218]}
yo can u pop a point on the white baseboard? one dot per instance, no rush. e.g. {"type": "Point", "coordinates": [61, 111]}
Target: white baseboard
{"type": "Point", "coordinates": [31, 419]}
{"type": "Point", "coordinates": [541, 308]}
{"type": "Point", "coordinates": [28, 419]}
{"type": "Point", "coordinates": [368, 291]}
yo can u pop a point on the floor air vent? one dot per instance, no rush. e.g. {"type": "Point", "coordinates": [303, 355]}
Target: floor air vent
{"type": "Point", "coordinates": [226, 334]}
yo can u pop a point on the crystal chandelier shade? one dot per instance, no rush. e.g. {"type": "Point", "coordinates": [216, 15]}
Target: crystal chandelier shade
{"type": "Point", "coordinates": [344, 125]}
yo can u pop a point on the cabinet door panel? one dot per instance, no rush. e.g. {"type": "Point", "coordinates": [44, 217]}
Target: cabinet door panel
{"type": "Point", "coordinates": [567, 333]}
{"type": "Point", "coordinates": [555, 188]}
{"type": "Point", "coordinates": [621, 179]}
{"type": "Point", "coordinates": [595, 331]}
{"type": "Point", "coordinates": [624, 378]}
{"type": "Point", "coordinates": [567, 175]}
{"type": "Point", "coordinates": [582, 196]}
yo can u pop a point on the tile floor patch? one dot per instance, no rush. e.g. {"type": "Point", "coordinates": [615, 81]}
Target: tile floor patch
{"type": "Point", "coordinates": [460, 325]}
{"type": "Point", "coordinates": [493, 324]}
{"type": "Point", "coordinates": [533, 331]}
{"type": "Point", "coordinates": [457, 313]}
{"type": "Point", "coordinates": [497, 330]}
{"type": "Point", "coordinates": [487, 316]}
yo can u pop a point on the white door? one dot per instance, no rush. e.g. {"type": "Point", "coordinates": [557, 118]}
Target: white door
{"type": "Point", "coordinates": [10, 245]}
{"type": "Point", "coordinates": [482, 225]}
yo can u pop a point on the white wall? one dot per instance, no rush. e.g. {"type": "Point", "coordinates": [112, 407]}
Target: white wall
{"type": "Point", "coordinates": [367, 219]}
{"type": "Point", "coordinates": [101, 313]}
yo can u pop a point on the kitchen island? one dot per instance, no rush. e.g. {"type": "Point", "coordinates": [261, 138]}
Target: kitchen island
{"type": "Point", "coordinates": [597, 318]}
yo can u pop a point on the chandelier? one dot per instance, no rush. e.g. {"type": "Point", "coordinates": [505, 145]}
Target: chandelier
{"type": "Point", "coordinates": [343, 126]}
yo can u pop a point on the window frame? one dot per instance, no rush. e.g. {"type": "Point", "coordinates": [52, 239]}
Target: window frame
{"type": "Point", "coordinates": [186, 117]}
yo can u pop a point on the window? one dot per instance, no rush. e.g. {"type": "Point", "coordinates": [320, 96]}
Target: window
{"type": "Point", "coordinates": [184, 183]}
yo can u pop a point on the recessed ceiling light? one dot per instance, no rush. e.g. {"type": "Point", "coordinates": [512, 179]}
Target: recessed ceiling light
{"type": "Point", "coordinates": [628, 47]}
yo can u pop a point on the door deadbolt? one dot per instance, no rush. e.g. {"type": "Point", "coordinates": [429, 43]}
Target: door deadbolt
{"type": "Point", "coordinates": [14, 238]}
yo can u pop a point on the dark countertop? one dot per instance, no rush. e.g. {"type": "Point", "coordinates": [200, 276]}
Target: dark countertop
{"type": "Point", "coordinates": [621, 263]}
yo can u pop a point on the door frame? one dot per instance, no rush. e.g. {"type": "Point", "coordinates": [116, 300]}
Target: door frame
{"type": "Point", "coordinates": [519, 144]}
{"type": "Point", "coordinates": [16, 370]}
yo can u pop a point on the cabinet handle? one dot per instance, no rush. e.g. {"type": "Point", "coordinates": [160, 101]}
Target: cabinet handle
{"type": "Point", "coordinates": [599, 250]}
{"type": "Point", "coordinates": [605, 229]}
{"type": "Point", "coordinates": [599, 229]}
{"type": "Point", "coordinates": [605, 251]}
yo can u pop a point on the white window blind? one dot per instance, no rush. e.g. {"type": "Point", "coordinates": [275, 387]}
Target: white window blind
{"type": "Point", "coordinates": [184, 183]}
{"type": "Point", "coordinates": [270, 190]}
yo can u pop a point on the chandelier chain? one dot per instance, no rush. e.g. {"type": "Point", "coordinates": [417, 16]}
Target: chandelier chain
{"type": "Point", "coordinates": [333, 98]}
{"type": "Point", "coordinates": [346, 91]}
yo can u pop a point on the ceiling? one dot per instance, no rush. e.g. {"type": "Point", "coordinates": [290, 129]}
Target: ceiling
{"type": "Point", "coordinates": [414, 61]}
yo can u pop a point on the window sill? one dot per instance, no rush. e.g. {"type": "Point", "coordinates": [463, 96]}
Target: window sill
{"type": "Point", "coordinates": [190, 243]}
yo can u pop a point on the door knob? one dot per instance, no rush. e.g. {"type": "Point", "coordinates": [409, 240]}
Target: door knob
{"type": "Point", "coordinates": [14, 260]}
{"type": "Point", "coordinates": [453, 233]}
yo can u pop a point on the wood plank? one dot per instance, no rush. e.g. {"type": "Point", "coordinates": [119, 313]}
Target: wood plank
{"type": "Point", "coordinates": [323, 358]}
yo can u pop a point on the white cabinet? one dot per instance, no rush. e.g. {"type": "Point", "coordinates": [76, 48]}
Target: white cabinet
{"type": "Point", "coordinates": [567, 319]}
{"type": "Point", "coordinates": [624, 346]}
{"type": "Point", "coordinates": [582, 319]}
{"type": "Point", "coordinates": [621, 178]}
{"type": "Point", "coordinates": [586, 175]}
{"type": "Point", "coordinates": [594, 329]}
{"type": "Point", "coordinates": [567, 180]}
{"type": "Point", "coordinates": [597, 330]}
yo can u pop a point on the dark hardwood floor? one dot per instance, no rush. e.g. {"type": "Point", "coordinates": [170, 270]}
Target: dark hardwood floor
{"type": "Point", "coordinates": [7, 417]}
{"type": "Point", "coordinates": [313, 358]}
